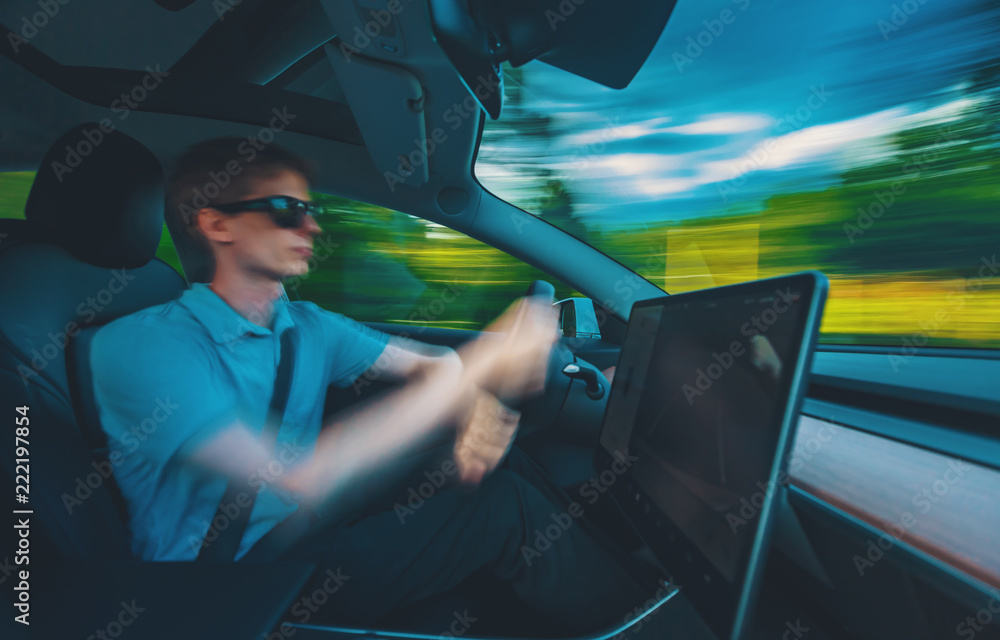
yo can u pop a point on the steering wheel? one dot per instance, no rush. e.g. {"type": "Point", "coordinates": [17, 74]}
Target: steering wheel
{"type": "Point", "coordinates": [542, 290]}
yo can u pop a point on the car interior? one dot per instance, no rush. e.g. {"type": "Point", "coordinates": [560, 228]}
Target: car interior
{"type": "Point", "coordinates": [882, 514]}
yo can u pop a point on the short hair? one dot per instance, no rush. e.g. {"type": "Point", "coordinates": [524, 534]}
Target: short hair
{"type": "Point", "coordinates": [223, 170]}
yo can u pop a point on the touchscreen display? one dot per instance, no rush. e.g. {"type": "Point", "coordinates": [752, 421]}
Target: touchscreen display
{"type": "Point", "coordinates": [698, 398]}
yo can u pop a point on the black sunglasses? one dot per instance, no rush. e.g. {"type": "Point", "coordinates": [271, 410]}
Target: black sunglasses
{"type": "Point", "coordinates": [286, 212]}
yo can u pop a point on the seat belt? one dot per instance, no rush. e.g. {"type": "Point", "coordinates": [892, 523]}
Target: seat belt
{"type": "Point", "coordinates": [227, 544]}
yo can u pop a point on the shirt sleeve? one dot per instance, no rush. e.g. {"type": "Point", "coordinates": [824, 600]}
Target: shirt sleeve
{"type": "Point", "coordinates": [353, 347]}
{"type": "Point", "coordinates": [157, 397]}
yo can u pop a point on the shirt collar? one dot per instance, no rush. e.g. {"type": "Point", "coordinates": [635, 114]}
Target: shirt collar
{"type": "Point", "coordinates": [223, 323]}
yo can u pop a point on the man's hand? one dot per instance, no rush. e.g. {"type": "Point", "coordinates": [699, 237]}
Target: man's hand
{"type": "Point", "coordinates": [510, 361]}
{"type": "Point", "coordinates": [485, 438]}
{"type": "Point", "coordinates": [510, 358]}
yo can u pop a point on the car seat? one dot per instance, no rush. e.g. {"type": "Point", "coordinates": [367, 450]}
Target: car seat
{"type": "Point", "coordinates": [82, 256]}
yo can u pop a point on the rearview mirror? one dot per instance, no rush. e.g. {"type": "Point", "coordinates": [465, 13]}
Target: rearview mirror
{"type": "Point", "coordinates": [602, 40]}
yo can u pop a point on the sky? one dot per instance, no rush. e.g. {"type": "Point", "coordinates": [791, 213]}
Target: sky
{"type": "Point", "coordinates": [785, 96]}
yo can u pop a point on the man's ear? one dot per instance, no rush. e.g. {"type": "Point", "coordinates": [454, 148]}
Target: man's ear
{"type": "Point", "coordinates": [214, 225]}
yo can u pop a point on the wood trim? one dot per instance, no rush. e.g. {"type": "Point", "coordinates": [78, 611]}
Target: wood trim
{"type": "Point", "coordinates": [944, 506]}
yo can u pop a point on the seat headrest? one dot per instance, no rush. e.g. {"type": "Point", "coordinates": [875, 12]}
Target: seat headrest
{"type": "Point", "coordinates": [99, 194]}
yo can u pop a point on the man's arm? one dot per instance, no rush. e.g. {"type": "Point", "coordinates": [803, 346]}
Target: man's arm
{"type": "Point", "coordinates": [486, 427]}
{"type": "Point", "coordinates": [485, 435]}
{"type": "Point", "coordinates": [407, 359]}
{"type": "Point", "coordinates": [384, 428]}
{"type": "Point", "coordinates": [372, 433]}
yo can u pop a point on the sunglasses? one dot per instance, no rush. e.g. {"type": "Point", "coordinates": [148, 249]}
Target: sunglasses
{"type": "Point", "coordinates": [285, 211]}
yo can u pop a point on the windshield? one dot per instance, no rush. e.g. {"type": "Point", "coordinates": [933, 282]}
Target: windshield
{"type": "Point", "coordinates": [762, 138]}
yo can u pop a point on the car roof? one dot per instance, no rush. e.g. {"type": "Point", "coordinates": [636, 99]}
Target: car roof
{"type": "Point", "coordinates": [215, 68]}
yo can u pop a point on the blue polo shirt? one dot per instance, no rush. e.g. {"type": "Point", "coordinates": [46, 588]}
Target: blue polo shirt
{"type": "Point", "coordinates": [170, 377]}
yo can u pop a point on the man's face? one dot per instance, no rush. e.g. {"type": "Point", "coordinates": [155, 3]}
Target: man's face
{"type": "Point", "coordinates": [256, 244]}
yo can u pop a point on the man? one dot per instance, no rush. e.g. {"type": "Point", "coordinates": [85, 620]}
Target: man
{"type": "Point", "coordinates": [183, 391]}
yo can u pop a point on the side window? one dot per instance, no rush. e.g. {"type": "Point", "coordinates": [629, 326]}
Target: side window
{"type": "Point", "coordinates": [377, 265]}
{"type": "Point", "coordinates": [15, 187]}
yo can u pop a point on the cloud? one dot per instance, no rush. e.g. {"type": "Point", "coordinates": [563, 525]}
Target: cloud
{"type": "Point", "coordinates": [659, 187]}
{"type": "Point", "coordinates": [836, 146]}
{"type": "Point", "coordinates": [724, 124]}
{"type": "Point", "coordinates": [632, 164]}
{"type": "Point", "coordinates": [614, 132]}
{"type": "Point", "coordinates": [847, 143]}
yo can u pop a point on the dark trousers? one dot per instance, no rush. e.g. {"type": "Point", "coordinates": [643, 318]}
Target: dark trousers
{"type": "Point", "coordinates": [517, 524]}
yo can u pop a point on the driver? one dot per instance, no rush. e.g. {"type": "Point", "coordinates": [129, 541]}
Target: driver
{"type": "Point", "coordinates": [183, 390]}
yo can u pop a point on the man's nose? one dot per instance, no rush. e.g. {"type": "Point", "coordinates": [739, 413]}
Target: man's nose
{"type": "Point", "coordinates": [310, 226]}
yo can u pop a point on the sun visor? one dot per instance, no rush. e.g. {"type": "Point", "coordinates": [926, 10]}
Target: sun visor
{"type": "Point", "coordinates": [388, 104]}
{"type": "Point", "coordinates": [601, 40]}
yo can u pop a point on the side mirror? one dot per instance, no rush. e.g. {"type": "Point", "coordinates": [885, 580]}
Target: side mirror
{"type": "Point", "coordinates": [578, 319]}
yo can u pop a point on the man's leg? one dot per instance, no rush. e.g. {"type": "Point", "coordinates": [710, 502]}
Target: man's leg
{"type": "Point", "coordinates": [507, 526]}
